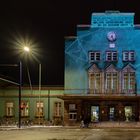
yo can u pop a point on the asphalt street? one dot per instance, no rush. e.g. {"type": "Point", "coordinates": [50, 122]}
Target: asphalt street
{"type": "Point", "coordinates": [63, 133]}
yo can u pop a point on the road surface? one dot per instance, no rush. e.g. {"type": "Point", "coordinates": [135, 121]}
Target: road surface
{"type": "Point", "coordinates": [70, 134]}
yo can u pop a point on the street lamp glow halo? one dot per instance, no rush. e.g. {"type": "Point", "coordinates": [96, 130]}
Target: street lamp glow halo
{"type": "Point", "coordinates": [25, 46]}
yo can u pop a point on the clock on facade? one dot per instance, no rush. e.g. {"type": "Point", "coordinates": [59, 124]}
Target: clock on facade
{"type": "Point", "coordinates": [111, 36]}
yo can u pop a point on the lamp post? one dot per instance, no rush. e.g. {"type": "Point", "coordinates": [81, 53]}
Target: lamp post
{"type": "Point", "coordinates": [39, 89]}
{"type": "Point", "coordinates": [20, 85]}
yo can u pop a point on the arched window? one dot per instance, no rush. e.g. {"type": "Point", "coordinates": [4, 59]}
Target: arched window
{"type": "Point", "coordinates": [128, 79]}
{"type": "Point", "coordinates": [95, 82]}
{"type": "Point", "coordinates": [111, 75]}
{"type": "Point", "coordinates": [111, 82]}
{"type": "Point", "coordinates": [94, 79]}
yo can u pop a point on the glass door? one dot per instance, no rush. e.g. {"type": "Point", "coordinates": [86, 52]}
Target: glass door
{"type": "Point", "coordinates": [128, 113]}
{"type": "Point", "coordinates": [111, 113]}
{"type": "Point", "coordinates": [94, 113]}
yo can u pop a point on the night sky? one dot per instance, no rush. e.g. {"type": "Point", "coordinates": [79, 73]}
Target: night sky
{"type": "Point", "coordinates": [47, 23]}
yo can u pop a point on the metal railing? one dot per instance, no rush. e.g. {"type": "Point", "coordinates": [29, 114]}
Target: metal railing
{"type": "Point", "coordinates": [87, 92]}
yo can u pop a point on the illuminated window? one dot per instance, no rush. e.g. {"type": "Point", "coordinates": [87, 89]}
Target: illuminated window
{"type": "Point", "coordinates": [24, 108]}
{"type": "Point", "coordinates": [94, 56]}
{"type": "Point", "coordinates": [57, 109]}
{"type": "Point", "coordinates": [9, 109]}
{"type": "Point", "coordinates": [111, 82]}
{"type": "Point", "coordinates": [128, 56]}
{"type": "Point", "coordinates": [72, 112]}
{"type": "Point", "coordinates": [111, 56]}
{"type": "Point", "coordinates": [95, 82]}
{"type": "Point", "coordinates": [39, 109]}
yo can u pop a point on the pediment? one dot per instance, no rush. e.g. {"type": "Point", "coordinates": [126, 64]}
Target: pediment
{"type": "Point", "coordinates": [128, 68]}
{"type": "Point", "coordinates": [94, 68]}
{"type": "Point", "coordinates": [111, 68]}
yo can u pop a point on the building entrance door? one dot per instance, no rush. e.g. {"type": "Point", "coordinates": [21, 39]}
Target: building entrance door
{"type": "Point", "coordinates": [94, 113]}
{"type": "Point", "coordinates": [111, 113]}
{"type": "Point", "coordinates": [128, 113]}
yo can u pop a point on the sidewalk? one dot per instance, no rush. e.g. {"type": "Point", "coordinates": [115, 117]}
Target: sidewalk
{"type": "Point", "coordinates": [112, 124]}
{"type": "Point", "coordinates": [115, 125]}
{"type": "Point", "coordinates": [14, 127]}
{"type": "Point", "coordinates": [91, 125]}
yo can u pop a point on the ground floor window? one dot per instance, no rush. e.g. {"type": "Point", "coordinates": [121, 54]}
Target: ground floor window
{"type": "Point", "coordinates": [94, 113]}
{"type": "Point", "coordinates": [9, 109]}
{"type": "Point", "coordinates": [39, 109]}
{"type": "Point", "coordinates": [72, 115]}
{"type": "Point", "coordinates": [24, 108]}
{"type": "Point", "coordinates": [57, 109]}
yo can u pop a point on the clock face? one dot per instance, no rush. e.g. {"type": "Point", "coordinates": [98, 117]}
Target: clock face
{"type": "Point", "coordinates": [111, 36]}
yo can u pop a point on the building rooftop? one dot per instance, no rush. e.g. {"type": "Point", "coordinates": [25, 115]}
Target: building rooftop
{"type": "Point", "coordinates": [112, 19]}
{"type": "Point", "coordinates": [111, 12]}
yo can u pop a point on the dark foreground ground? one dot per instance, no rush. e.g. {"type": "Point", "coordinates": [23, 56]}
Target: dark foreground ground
{"type": "Point", "coordinates": [67, 133]}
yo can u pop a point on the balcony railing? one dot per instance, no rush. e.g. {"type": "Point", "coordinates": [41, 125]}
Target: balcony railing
{"type": "Point", "coordinates": [126, 92]}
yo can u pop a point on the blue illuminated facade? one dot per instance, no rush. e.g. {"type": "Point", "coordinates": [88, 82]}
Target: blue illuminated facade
{"type": "Point", "coordinates": [103, 60]}
{"type": "Point", "coordinates": [94, 37]}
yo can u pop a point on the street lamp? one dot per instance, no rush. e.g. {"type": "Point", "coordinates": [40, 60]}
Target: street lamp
{"type": "Point", "coordinates": [26, 49]}
{"type": "Point", "coordinates": [24, 45]}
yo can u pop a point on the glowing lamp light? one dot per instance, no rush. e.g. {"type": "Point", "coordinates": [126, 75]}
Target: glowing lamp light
{"type": "Point", "coordinates": [25, 46]}
{"type": "Point", "coordinates": [26, 49]}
